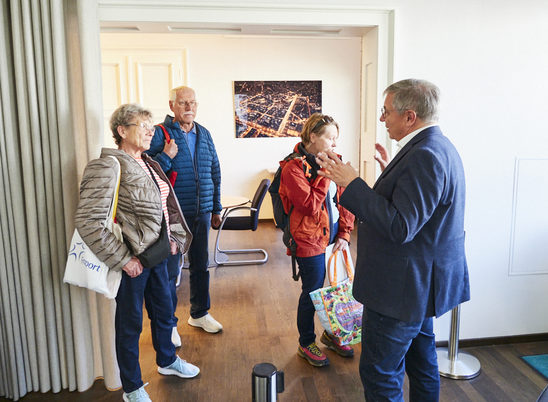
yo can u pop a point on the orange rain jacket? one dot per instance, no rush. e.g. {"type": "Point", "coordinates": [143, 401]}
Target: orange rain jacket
{"type": "Point", "coordinates": [309, 220]}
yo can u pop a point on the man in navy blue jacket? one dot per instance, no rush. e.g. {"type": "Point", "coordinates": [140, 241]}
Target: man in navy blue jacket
{"type": "Point", "coordinates": [411, 263]}
{"type": "Point", "coordinates": [190, 153]}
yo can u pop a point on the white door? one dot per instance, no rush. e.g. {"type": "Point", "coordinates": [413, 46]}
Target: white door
{"type": "Point", "coordinates": [142, 76]}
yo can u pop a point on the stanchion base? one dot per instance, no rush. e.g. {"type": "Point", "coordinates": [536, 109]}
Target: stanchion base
{"type": "Point", "coordinates": [464, 367]}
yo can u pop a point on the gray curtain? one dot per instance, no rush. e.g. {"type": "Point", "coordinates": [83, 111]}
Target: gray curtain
{"type": "Point", "coordinates": [52, 336]}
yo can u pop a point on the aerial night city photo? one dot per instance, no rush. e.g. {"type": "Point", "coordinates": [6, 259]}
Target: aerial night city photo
{"type": "Point", "coordinates": [274, 108]}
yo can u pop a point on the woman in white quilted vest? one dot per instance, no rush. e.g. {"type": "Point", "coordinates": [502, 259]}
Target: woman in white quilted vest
{"type": "Point", "coordinates": [146, 205]}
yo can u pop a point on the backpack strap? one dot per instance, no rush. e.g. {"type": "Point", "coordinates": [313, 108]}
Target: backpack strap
{"type": "Point", "coordinates": [288, 237]}
{"type": "Point", "coordinates": [166, 134]}
{"type": "Point", "coordinates": [296, 275]}
{"type": "Point", "coordinates": [173, 174]}
{"type": "Point", "coordinates": [290, 243]}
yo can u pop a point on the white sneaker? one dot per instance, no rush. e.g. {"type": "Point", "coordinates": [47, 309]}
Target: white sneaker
{"type": "Point", "coordinates": [180, 368]}
{"type": "Point", "coordinates": [175, 338]}
{"type": "Point", "coordinates": [139, 395]}
{"type": "Point", "coordinates": [207, 323]}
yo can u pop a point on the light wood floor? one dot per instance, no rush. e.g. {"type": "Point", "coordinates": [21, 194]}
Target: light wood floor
{"type": "Point", "coordinates": [257, 307]}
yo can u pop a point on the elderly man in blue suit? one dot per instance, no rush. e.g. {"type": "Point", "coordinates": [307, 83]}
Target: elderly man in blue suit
{"type": "Point", "coordinates": [411, 263]}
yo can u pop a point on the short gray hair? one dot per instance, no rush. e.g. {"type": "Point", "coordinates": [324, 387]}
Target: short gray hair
{"type": "Point", "coordinates": [125, 115]}
{"type": "Point", "coordinates": [418, 95]}
{"type": "Point", "coordinates": [173, 92]}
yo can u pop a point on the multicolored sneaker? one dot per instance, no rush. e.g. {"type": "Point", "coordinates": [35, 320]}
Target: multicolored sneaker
{"type": "Point", "coordinates": [341, 350]}
{"type": "Point", "coordinates": [313, 355]}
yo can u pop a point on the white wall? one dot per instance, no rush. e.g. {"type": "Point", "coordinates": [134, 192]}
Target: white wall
{"type": "Point", "coordinates": [215, 61]}
{"type": "Point", "coordinates": [489, 59]}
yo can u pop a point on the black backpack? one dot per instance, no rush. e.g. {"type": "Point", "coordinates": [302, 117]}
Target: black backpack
{"type": "Point", "coordinates": [281, 219]}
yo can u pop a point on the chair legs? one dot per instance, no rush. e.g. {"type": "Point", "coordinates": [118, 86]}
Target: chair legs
{"type": "Point", "coordinates": [221, 256]}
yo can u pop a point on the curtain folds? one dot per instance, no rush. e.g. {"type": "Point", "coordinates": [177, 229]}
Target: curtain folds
{"type": "Point", "coordinates": [52, 336]}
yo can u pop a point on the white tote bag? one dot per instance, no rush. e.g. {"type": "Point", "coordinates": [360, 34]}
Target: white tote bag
{"type": "Point", "coordinates": [83, 268]}
{"type": "Point", "coordinates": [344, 259]}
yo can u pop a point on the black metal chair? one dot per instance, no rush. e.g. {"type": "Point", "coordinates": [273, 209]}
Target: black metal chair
{"type": "Point", "coordinates": [242, 223]}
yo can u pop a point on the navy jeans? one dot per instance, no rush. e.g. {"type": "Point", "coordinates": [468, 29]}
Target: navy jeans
{"type": "Point", "coordinates": [152, 285]}
{"type": "Point", "coordinates": [198, 257]}
{"type": "Point", "coordinates": [390, 347]}
{"type": "Point", "coordinates": [173, 268]}
{"type": "Point", "coordinates": [312, 271]}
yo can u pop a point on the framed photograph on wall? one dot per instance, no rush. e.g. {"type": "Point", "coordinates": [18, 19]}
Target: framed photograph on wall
{"type": "Point", "coordinates": [274, 108]}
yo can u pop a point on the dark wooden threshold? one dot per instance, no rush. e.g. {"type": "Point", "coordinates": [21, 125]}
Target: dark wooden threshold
{"type": "Point", "coordinates": [503, 340]}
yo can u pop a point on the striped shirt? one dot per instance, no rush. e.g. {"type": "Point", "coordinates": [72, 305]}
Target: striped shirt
{"type": "Point", "coordinates": [164, 190]}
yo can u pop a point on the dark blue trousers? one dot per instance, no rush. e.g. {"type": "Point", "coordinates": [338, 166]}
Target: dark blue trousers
{"type": "Point", "coordinates": [312, 271]}
{"type": "Point", "coordinates": [152, 286]}
{"type": "Point", "coordinates": [391, 347]}
{"type": "Point", "coordinates": [198, 257]}
{"type": "Point", "coordinates": [173, 268]}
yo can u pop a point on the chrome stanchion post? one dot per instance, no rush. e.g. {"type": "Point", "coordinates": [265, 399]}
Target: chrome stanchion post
{"type": "Point", "coordinates": [451, 364]}
{"type": "Point", "coordinates": [266, 383]}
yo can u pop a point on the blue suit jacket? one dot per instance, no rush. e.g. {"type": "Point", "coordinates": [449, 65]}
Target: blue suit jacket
{"type": "Point", "coordinates": [411, 262]}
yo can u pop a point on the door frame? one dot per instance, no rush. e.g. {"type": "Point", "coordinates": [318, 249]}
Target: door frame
{"type": "Point", "coordinates": [377, 43]}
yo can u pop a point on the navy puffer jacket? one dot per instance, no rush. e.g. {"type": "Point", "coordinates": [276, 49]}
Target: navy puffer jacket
{"type": "Point", "coordinates": [198, 184]}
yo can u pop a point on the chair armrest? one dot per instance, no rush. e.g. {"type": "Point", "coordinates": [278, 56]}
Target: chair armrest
{"type": "Point", "coordinates": [228, 211]}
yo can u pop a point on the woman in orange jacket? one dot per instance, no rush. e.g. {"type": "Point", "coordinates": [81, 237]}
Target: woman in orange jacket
{"type": "Point", "coordinates": [316, 220]}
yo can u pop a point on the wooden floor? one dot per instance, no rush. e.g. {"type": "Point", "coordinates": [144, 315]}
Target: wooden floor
{"type": "Point", "coordinates": [257, 307]}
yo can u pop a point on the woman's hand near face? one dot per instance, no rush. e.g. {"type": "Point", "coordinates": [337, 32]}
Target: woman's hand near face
{"type": "Point", "coordinates": [333, 168]}
{"type": "Point", "coordinates": [133, 267]}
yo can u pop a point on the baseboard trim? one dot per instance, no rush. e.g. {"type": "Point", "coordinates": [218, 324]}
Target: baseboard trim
{"type": "Point", "coordinates": [503, 340]}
